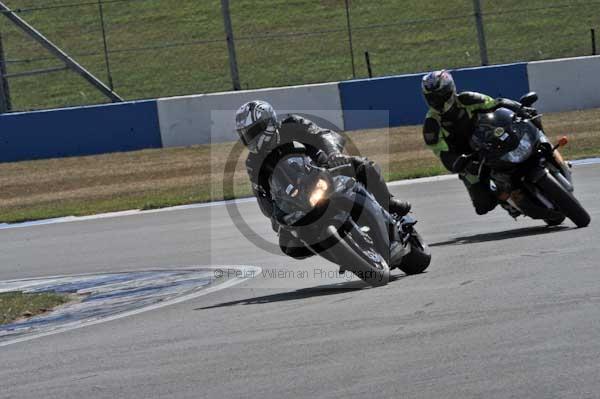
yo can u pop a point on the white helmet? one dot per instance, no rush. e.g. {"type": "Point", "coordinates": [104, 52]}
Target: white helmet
{"type": "Point", "coordinates": [256, 124]}
{"type": "Point", "coordinates": [439, 90]}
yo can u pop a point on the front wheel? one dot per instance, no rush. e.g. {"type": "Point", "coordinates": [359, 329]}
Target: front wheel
{"type": "Point", "coordinates": [359, 257]}
{"type": "Point", "coordinates": [419, 257]}
{"type": "Point", "coordinates": [555, 221]}
{"type": "Point", "coordinates": [564, 200]}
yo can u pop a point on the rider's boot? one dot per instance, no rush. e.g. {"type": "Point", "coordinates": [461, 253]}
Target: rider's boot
{"type": "Point", "coordinates": [512, 211]}
{"type": "Point", "coordinates": [399, 207]}
{"type": "Point", "coordinates": [396, 249]}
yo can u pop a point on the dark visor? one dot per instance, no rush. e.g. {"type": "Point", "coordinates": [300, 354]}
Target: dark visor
{"type": "Point", "coordinates": [247, 135]}
{"type": "Point", "coordinates": [437, 99]}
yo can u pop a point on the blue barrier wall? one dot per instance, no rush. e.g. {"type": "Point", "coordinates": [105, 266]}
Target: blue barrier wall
{"type": "Point", "coordinates": [401, 95]}
{"type": "Point", "coordinates": [79, 131]}
{"type": "Point", "coordinates": [135, 125]}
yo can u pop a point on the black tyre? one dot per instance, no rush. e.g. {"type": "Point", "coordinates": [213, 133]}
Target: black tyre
{"type": "Point", "coordinates": [564, 200]}
{"type": "Point", "coordinates": [419, 257]}
{"type": "Point", "coordinates": [555, 221]}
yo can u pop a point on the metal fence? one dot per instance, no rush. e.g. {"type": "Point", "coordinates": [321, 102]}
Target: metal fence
{"type": "Point", "coordinates": [157, 48]}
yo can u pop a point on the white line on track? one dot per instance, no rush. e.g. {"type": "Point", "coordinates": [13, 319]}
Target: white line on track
{"type": "Point", "coordinates": [420, 180]}
{"type": "Point", "coordinates": [67, 219]}
{"type": "Point", "coordinates": [246, 272]}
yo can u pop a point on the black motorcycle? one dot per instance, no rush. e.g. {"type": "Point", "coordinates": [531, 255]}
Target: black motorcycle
{"type": "Point", "coordinates": [337, 218]}
{"type": "Point", "coordinates": [525, 169]}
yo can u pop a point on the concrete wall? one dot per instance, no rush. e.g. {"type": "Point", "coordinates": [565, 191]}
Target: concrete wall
{"type": "Point", "coordinates": [566, 84]}
{"type": "Point", "coordinates": [401, 95]}
{"type": "Point", "coordinates": [79, 131]}
{"type": "Point", "coordinates": [210, 118]}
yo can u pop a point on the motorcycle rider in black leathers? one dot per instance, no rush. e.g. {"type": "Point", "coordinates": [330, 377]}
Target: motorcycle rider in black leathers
{"type": "Point", "coordinates": [269, 140]}
{"type": "Point", "coordinates": [448, 127]}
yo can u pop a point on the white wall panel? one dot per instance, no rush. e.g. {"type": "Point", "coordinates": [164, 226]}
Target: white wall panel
{"type": "Point", "coordinates": [566, 84]}
{"type": "Point", "coordinates": [210, 118]}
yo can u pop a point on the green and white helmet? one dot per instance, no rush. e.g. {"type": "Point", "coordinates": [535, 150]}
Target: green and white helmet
{"type": "Point", "coordinates": [257, 125]}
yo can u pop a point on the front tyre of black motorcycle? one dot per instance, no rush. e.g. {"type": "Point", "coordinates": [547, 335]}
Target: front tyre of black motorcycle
{"type": "Point", "coordinates": [555, 221]}
{"type": "Point", "coordinates": [362, 260]}
{"type": "Point", "coordinates": [564, 200]}
{"type": "Point", "coordinates": [419, 257]}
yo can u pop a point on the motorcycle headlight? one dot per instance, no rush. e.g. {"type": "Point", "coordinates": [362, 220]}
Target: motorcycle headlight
{"type": "Point", "coordinates": [318, 192]}
{"type": "Point", "coordinates": [521, 153]}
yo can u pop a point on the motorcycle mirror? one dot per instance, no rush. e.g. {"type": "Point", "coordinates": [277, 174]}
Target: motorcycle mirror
{"type": "Point", "coordinates": [528, 99]}
{"type": "Point", "coordinates": [563, 141]}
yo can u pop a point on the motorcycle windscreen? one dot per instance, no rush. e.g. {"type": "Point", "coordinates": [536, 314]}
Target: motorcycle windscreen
{"type": "Point", "coordinates": [529, 137]}
{"type": "Point", "coordinates": [292, 182]}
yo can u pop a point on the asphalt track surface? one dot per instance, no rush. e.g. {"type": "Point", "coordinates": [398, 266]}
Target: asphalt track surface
{"type": "Point", "coordinates": [507, 309]}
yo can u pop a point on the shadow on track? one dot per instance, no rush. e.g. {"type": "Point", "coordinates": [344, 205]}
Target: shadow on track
{"type": "Point", "coordinates": [501, 235]}
{"type": "Point", "coordinates": [322, 290]}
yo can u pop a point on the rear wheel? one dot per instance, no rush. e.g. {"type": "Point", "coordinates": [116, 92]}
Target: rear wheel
{"type": "Point", "coordinates": [419, 257]}
{"type": "Point", "coordinates": [564, 200]}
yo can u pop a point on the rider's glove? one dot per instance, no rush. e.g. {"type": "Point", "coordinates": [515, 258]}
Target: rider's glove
{"type": "Point", "coordinates": [321, 158]}
{"type": "Point", "coordinates": [461, 163]}
{"type": "Point", "coordinates": [472, 168]}
{"type": "Point", "coordinates": [466, 164]}
{"type": "Point", "coordinates": [527, 112]}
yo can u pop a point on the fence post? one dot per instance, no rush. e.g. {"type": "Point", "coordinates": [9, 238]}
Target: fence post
{"type": "Point", "coordinates": [5, 104]}
{"type": "Point", "coordinates": [235, 76]}
{"type": "Point", "coordinates": [350, 38]}
{"type": "Point", "coordinates": [101, 11]}
{"type": "Point", "coordinates": [480, 32]}
{"type": "Point", "coordinates": [368, 61]}
{"type": "Point", "coordinates": [593, 32]}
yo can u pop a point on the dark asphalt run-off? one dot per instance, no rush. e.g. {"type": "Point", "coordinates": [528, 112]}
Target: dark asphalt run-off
{"type": "Point", "coordinates": [507, 309]}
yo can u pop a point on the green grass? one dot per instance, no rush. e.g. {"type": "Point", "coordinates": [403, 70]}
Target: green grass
{"type": "Point", "coordinates": [202, 65]}
{"type": "Point", "coordinates": [182, 196]}
{"type": "Point", "coordinates": [14, 305]}
{"type": "Point", "coordinates": [429, 169]}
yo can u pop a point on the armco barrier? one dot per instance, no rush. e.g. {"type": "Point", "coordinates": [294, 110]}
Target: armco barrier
{"type": "Point", "coordinates": [401, 95]}
{"type": "Point", "coordinates": [210, 118]}
{"type": "Point", "coordinates": [566, 84]}
{"type": "Point", "coordinates": [79, 131]}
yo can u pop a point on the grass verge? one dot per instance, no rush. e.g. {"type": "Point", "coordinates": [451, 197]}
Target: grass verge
{"type": "Point", "coordinates": [166, 177]}
{"type": "Point", "coordinates": [15, 305]}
